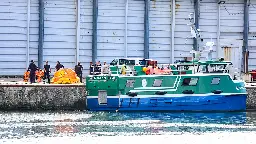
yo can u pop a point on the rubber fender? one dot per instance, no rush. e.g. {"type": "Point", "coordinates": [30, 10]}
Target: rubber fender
{"type": "Point", "coordinates": [217, 91]}
{"type": "Point", "coordinates": [188, 92]}
{"type": "Point", "coordinates": [132, 94]}
{"type": "Point", "coordinates": [161, 93]}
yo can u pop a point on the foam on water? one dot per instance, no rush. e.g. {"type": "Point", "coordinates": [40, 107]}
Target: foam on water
{"type": "Point", "coordinates": [111, 128]}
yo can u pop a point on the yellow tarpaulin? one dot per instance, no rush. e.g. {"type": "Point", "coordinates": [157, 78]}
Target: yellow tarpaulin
{"type": "Point", "coordinates": [65, 76]}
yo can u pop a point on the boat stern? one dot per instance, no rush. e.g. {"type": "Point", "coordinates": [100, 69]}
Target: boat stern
{"type": "Point", "coordinates": [102, 92]}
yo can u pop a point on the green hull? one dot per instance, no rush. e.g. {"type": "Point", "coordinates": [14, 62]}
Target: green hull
{"type": "Point", "coordinates": [165, 92]}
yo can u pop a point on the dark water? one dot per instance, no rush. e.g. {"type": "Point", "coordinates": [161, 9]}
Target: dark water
{"type": "Point", "coordinates": [104, 127]}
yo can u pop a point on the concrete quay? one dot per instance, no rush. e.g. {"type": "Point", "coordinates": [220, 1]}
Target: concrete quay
{"type": "Point", "coordinates": [25, 96]}
{"type": "Point", "coordinates": [251, 97]}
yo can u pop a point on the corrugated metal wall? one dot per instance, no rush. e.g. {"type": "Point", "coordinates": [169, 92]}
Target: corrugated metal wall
{"type": "Point", "coordinates": [85, 34]}
{"type": "Point", "coordinates": [252, 35]}
{"type": "Point", "coordinates": [135, 43]}
{"type": "Point", "coordinates": [61, 30]}
{"type": "Point", "coordinates": [231, 29]}
{"type": "Point", "coordinates": [183, 40]}
{"type": "Point", "coordinates": [111, 25]}
{"type": "Point", "coordinates": [13, 17]}
{"type": "Point", "coordinates": [160, 17]}
{"type": "Point", "coordinates": [13, 35]}
{"type": "Point", "coordinates": [34, 30]}
{"type": "Point", "coordinates": [208, 23]}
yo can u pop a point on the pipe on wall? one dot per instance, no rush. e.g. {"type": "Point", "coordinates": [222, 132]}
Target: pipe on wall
{"type": "Point", "coordinates": [77, 31]}
{"type": "Point", "coordinates": [126, 27]}
{"type": "Point", "coordinates": [218, 32]}
{"type": "Point", "coordinates": [41, 34]}
{"type": "Point", "coordinates": [196, 15]}
{"type": "Point", "coordinates": [173, 31]}
{"type": "Point", "coordinates": [146, 29]}
{"type": "Point", "coordinates": [94, 34]}
{"type": "Point", "coordinates": [245, 36]}
{"type": "Point", "coordinates": [28, 34]}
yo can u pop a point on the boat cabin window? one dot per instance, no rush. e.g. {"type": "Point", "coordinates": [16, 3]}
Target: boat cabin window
{"type": "Point", "coordinates": [157, 83]}
{"type": "Point", "coordinates": [217, 68]}
{"type": "Point", "coordinates": [203, 68]}
{"type": "Point", "coordinates": [215, 81]}
{"type": "Point", "coordinates": [130, 83]}
{"type": "Point", "coordinates": [190, 81]}
{"type": "Point", "coordinates": [126, 62]}
{"type": "Point", "coordinates": [212, 68]}
{"type": "Point", "coordinates": [143, 62]}
{"type": "Point", "coordinates": [184, 67]}
{"type": "Point", "coordinates": [114, 62]}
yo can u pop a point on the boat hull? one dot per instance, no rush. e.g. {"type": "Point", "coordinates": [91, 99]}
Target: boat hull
{"type": "Point", "coordinates": [171, 102]}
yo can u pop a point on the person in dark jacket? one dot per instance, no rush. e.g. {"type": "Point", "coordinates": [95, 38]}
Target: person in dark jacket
{"type": "Point", "coordinates": [79, 71]}
{"type": "Point", "coordinates": [47, 71]}
{"type": "Point", "coordinates": [58, 66]}
{"type": "Point", "coordinates": [91, 68]}
{"type": "Point", "coordinates": [97, 69]}
{"type": "Point", "coordinates": [32, 68]}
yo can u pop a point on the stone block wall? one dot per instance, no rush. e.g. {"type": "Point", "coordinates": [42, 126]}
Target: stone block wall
{"type": "Point", "coordinates": [251, 98]}
{"type": "Point", "coordinates": [42, 98]}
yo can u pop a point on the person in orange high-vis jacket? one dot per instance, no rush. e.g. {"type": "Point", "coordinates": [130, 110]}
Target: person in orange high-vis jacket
{"type": "Point", "coordinates": [26, 76]}
{"type": "Point", "coordinates": [39, 75]}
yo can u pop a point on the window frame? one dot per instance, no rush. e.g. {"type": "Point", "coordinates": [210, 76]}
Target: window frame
{"type": "Point", "coordinates": [189, 83]}
{"type": "Point", "coordinates": [157, 85]}
{"type": "Point", "coordinates": [131, 81]}
{"type": "Point", "coordinates": [213, 79]}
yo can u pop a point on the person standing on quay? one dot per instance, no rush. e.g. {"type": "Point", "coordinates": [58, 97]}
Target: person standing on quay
{"type": "Point", "coordinates": [47, 71]}
{"type": "Point", "coordinates": [32, 68]}
{"type": "Point", "coordinates": [79, 71]}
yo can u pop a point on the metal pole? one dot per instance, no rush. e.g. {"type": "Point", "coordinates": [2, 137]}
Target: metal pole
{"type": "Point", "coordinates": [78, 31]}
{"type": "Point", "coordinates": [126, 28]}
{"type": "Point", "coordinates": [41, 33]}
{"type": "Point", "coordinates": [218, 32]}
{"type": "Point", "coordinates": [196, 15]}
{"type": "Point", "coordinates": [28, 33]}
{"type": "Point", "coordinates": [146, 29]}
{"type": "Point", "coordinates": [173, 31]}
{"type": "Point", "coordinates": [245, 36]}
{"type": "Point", "coordinates": [94, 38]}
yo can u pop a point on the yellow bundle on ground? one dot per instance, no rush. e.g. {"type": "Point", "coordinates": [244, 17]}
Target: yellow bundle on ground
{"type": "Point", "coordinates": [65, 76]}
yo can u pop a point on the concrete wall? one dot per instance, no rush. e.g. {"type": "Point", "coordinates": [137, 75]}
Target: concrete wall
{"type": "Point", "coordinates": [42, 98]}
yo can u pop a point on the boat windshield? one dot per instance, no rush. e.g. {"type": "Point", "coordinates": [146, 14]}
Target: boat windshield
{"type": "Point", "coordinates": [126, 62]}
{"type": "Point", "coordinates": [212, 68]}
{"type": "Point", "coordinates": [114, 62]}
{"type": "Point", "coordinates": [143, 62]}
{"type": "Point", "coordinates": [185, 67]}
